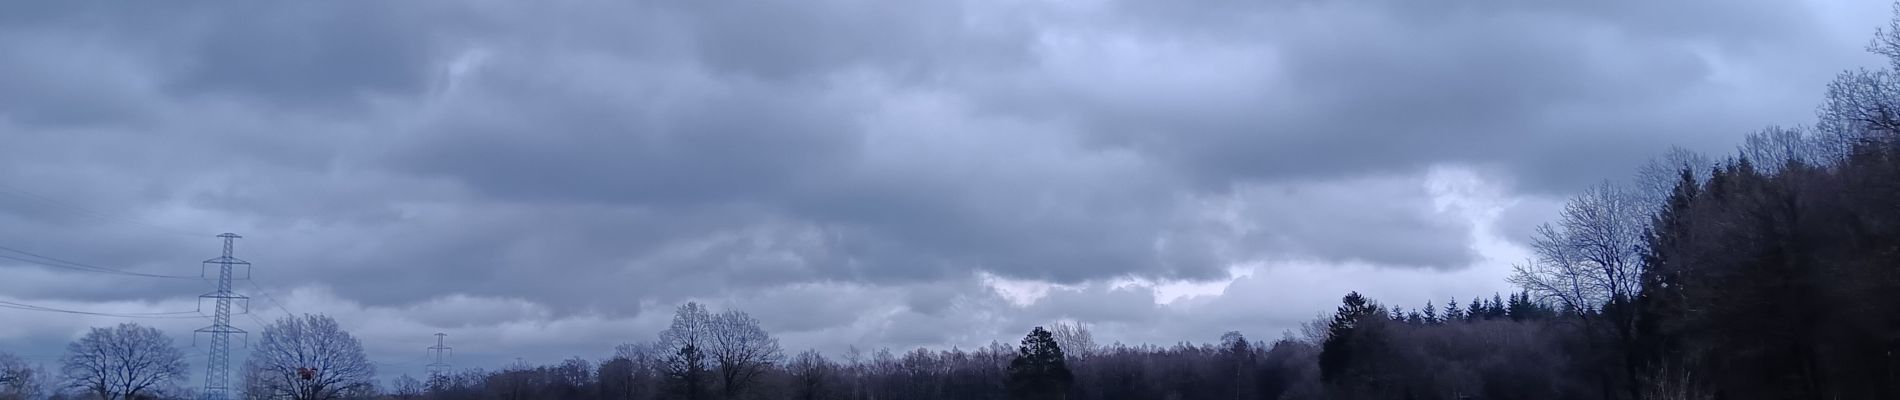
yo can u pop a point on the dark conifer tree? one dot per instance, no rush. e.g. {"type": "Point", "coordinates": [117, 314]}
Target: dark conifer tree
{"type": "Point", "coordinates": [1040, 371]}
{"type": "Point", "coordinates": [1659, 307]}
{"type": "Point", "coordinates": [1336, 352]}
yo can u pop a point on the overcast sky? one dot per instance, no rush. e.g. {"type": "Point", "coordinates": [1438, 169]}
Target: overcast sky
{"type": "Point", "coordinates": [548, 180]}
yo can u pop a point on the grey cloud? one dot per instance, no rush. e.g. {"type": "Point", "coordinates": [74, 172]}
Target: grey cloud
{"type": "Point", "coordinates": [789, 40]}
{"type": "Point", "coordinates": [1382, 220]}
{"type": "Point", "coordinates": [813, 306]}
{"type": "Point", "coordinates": [1348, 88]}
{"type": "Point", "coordinates": [808, 163]}
{"type": "Point", "coordinates": [1519, 222]}
{"type": "Point", "coordinates": [314, 57]}
{"type": "Point", "coordinates": [37, 74]}
{"type": "Point", "coordinates": [513, 133]}
{"type": "Point", "coordinates": [545, 138]}
{"type": "Point", "coordinates": [855, 164]}
{"type": "Point", "coordinates": [295, 53]}
{"type": "Point", "coordinates": [1096, 304]}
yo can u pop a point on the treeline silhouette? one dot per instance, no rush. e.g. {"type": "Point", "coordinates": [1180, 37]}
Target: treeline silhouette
{"type": "Point", "coordinates": [1516, 348]}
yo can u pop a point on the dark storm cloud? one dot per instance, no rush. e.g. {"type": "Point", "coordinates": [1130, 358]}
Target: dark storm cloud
{"type": "Point", "coordinates": [544, 138]}
{"type": "Point", "coordinates": [802, 40]}
{"type": "Point", "coordinates": [312, 56]}
{"type": "Point", "coordinates": [296, 53]}
{"type": "Point", "coordinates": [1550, 89]}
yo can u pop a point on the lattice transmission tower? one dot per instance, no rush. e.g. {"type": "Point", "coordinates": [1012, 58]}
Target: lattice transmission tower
{"type": "Point", "coordinates": [217, 365]}
{"type": "Point", "coordinates": [441, 364]}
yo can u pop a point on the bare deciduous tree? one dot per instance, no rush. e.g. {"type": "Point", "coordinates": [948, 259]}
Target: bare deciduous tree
{"type": "Point", "coordinates": [310, 358]}
{"type": "Point", "coordinates": [255, 387]}
{"type": "Point", "coordinates": [571, 378]}
{"type": "Point", "coordinates": [1657, 178]}
{"type": "Point", "coordinates": [1554, 274]}
{"type": "Point", "coordinates": [633, 372]}
{"type": "Point", "coordinates": [1863, 104]}
{"type": "Point", "coordinates": [122, 362]}
{"type": "Point", "coordinates": [1315, 330]}
{"type": "Point", "coordinates": [1776, 146]}
{"type": "Point", "coordinates": [741, 351]}
{"type": "Point", "coordinates": [18, 381]}
{"type": "Point", "coordinates": [1074, 338]}
{"type": "Point", "coordinates": [1592, 255]}
{"type": "Point", "coordinates": [691, 327]}
{"type": "Point", "coordinates": [1593, 259]}
{"type": "Point", "coordinates": [810, 371]}
{"type": "Point", "coordinates": [684, 343]}
{"type": "Point", "coordinates": [406, 387]}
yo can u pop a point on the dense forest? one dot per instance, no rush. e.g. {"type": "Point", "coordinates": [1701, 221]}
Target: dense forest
{"type": "Point", "coordinates": [1769, 273]}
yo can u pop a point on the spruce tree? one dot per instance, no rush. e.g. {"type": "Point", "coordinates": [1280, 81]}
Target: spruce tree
{"type": "Point", "coordinates": [1336, 353]}
{"type": "Point", "coordinates": [1494, 309]}
{"type": "Point", "coordinates": [1522, 308]}
{"type": "Point", "coordinates": [1660, 305]}
{"type": "Point", "coordinates": [1040, 370]}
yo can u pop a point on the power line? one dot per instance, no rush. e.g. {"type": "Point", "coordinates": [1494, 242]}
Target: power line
{"type": "Point", "coordinates": [405, 363]}
{"type": "Point", "coordinates": [157, 315]}
{"type": "Point", "coordinates": [22, 305]}
{"type": "Point", "coordinates": [261, 324]}
{"type": "Point", "coordinates": [273, 299]}
{"type": "Point", "coordinates": [78, 266]}
{"type": "Point", "coordinates": [38, 357]}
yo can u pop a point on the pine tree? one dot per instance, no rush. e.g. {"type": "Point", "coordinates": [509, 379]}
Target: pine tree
{"type": "Point", "coordinates": [1453, 312]}
{"type": "Point", "coordinates": [1040, 370]}
{"type": "Point", "coordinates": [1659, 306]}
{"type": "Point", "coordinates": [1431, 313]}
{"type": "Point", "coordinates": [1522, 308]}
{"type": "Point", "coordinates": [1336, 352]}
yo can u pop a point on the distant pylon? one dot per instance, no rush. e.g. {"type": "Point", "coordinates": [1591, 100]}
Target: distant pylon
{"type": "Point", "coordinates": [217, 366]}
{"type": "Point", "coordinates": [441, 364]}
